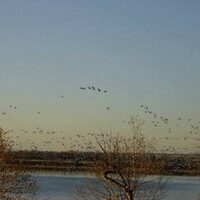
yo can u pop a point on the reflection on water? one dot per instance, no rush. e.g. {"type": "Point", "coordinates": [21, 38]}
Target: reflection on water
{"type": "Point", "coordinates": [60, 186]}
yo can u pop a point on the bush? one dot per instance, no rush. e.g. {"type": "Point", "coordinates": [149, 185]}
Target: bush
{"type": "Point", "coordinates": [15, 181]}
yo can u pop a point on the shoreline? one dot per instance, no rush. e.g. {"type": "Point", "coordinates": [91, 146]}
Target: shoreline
{"type": "Point", "coordinates": [174, 165]}
{"type": "Point", "coordinates": [87, 167]}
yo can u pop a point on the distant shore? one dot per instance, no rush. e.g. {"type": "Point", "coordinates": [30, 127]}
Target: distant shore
{"type": "Point", "coordinates": [85, 166]}
{"type": "Point", "coordinates": [76, 161]}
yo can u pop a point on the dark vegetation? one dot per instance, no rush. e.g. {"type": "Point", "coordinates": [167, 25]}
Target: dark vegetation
{"type": "Point", "coordinates": [15, 180]}
{"type": "Point", "coordinates": [175, 164]}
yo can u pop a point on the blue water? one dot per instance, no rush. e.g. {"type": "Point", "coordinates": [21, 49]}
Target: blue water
{"type": "Point", "coordinates": [59, 187]}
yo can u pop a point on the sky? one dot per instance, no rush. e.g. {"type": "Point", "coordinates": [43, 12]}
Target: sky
{"type": "Point", "coordinates": [141, 52]}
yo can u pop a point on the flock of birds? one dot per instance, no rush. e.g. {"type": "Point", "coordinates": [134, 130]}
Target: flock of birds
{"type": "Point", "coordinates": [170, 126]}
{"type": "Point", "coordinates": [48, 138]}
{"type": "Point", "coordinates": [93, 89]}
{"type": "Point", "coordinates": [14, 108]}
{"type": "Point", "coordinates": [189, 129]}
{"type": "Point", "coordinates": [62, 96]}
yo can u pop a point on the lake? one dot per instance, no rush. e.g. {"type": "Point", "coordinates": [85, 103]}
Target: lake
{"type": "Point", "coordinates": [61, 187]}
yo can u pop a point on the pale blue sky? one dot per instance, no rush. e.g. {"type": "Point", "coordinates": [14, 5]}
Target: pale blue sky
{"type": "Point", "coordinates": [142, 52]}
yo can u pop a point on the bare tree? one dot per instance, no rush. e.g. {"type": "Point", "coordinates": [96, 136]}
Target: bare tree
{"type": "Point", "coordinates": [15, 181]}
{"type": "Point", "coordinates": [125, 169]}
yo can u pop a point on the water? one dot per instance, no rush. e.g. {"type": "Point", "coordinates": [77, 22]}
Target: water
{"type": "Point", "coordinates": [59, 187]}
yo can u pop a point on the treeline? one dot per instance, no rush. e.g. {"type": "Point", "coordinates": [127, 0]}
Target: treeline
{"type": "Point", "coordinates": [174, 163]}
{"type": "Point", "coordinates": [182, 164]}
{"type": "Point", "coordinates": [53, 155]}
